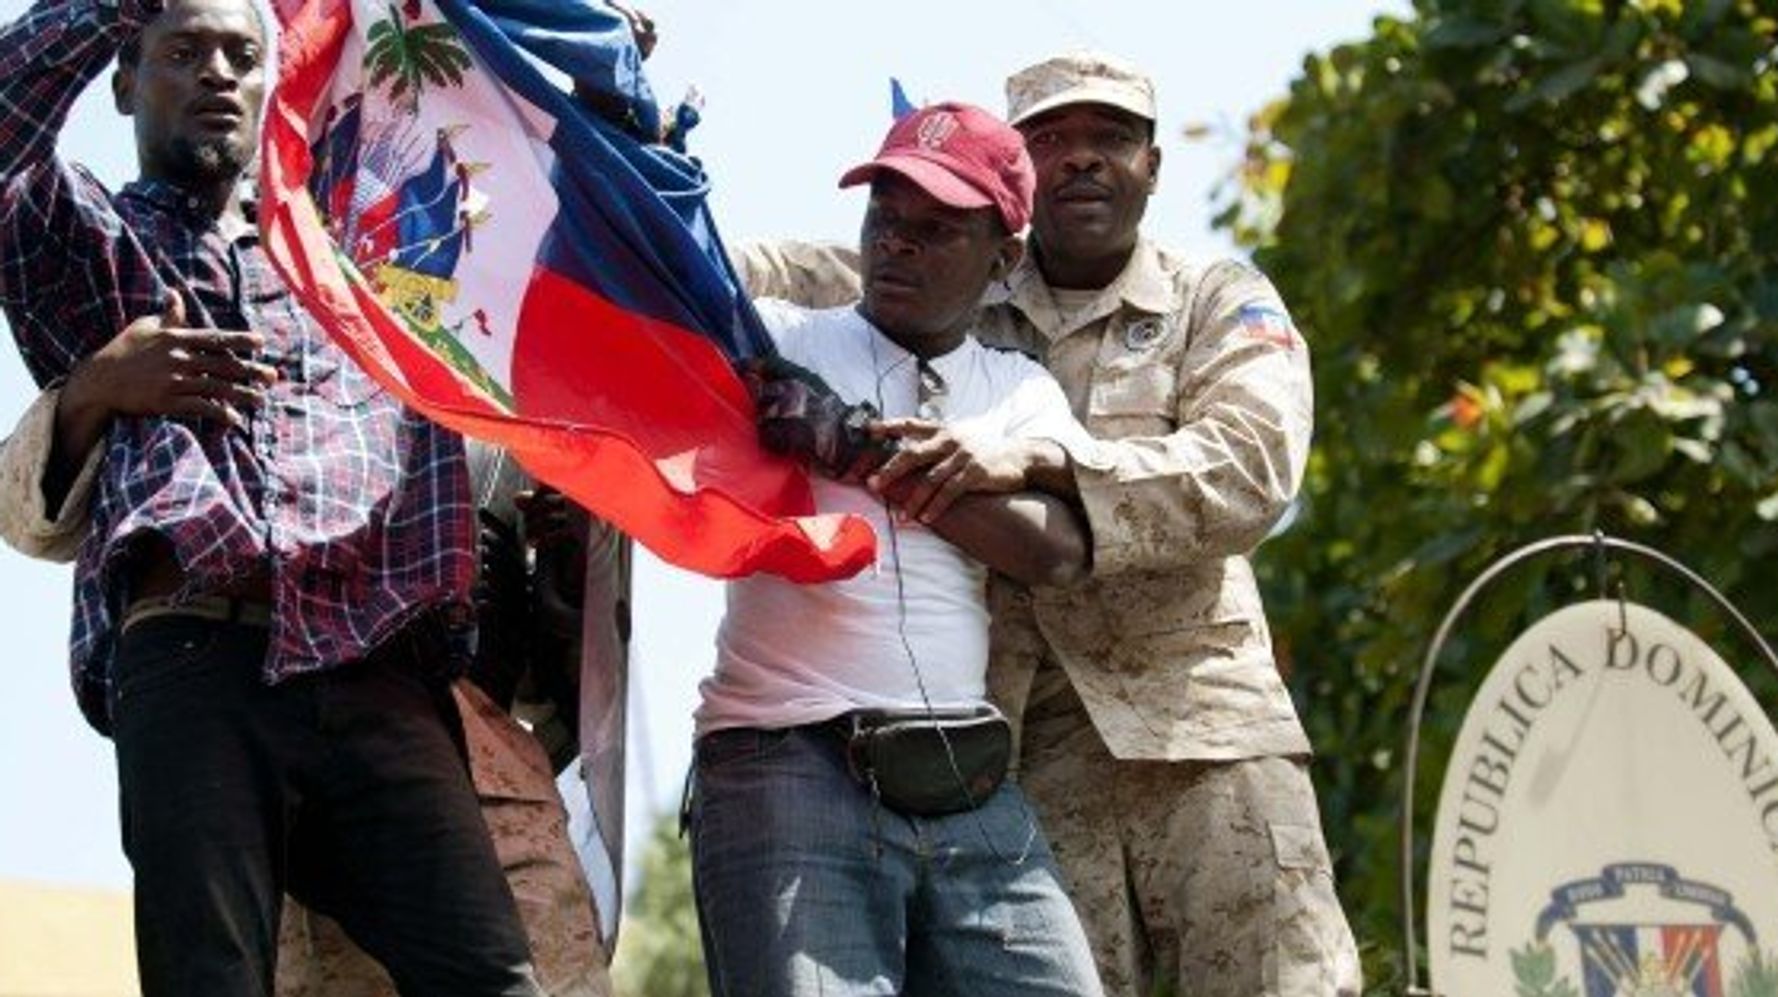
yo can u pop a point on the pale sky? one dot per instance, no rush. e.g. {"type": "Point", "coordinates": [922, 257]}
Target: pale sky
{"type": "Point", "coordinates": [795, 92]}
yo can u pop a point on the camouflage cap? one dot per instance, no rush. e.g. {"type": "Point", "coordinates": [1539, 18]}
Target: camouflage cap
{"type": "Point", "coordinates": [1078, 78]}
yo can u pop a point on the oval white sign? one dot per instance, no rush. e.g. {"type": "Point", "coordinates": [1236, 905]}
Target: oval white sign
{"type": "Point", "coordinates": [1608, 825]}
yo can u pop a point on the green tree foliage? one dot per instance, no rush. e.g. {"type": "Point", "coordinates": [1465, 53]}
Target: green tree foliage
{"type": "Point", "coordinates": [659, 953]}
{"type": "Point", "coordinates": [1534, 244]}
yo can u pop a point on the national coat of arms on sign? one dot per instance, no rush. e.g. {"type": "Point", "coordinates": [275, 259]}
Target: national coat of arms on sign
{"type": "Point", "coordinates": [1640, 929]}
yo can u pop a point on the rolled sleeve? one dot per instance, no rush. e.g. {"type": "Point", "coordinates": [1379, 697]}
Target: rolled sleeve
{"type": "Point", "coordinates": [24, 461]}
{"type": "Point", "coordinates": [1217, 484]}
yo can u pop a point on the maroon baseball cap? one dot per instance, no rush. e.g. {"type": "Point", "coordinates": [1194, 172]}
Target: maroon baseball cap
{"type": "Point", "coordinates": [961, 155]}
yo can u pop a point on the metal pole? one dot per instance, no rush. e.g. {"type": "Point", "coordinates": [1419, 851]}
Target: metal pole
{"type": "Point", "coordinates": [1423, 686]}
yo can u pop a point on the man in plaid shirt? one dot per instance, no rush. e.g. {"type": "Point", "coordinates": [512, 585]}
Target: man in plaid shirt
{"type": "Point", "coordinates": [272, 588]}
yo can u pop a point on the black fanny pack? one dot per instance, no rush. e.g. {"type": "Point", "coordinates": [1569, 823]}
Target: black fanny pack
{"type": "Point", "coordinates": [929, 764]}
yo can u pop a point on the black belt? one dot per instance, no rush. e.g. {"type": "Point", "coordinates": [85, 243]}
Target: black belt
{"type": "Point", "coordinates": [220, 608]}
{"type": "Point", "coordinates": [919, 764]}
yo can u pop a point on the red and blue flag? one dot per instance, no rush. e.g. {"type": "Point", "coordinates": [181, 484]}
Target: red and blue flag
{"type": "Point", "coordinates": [473, 198]}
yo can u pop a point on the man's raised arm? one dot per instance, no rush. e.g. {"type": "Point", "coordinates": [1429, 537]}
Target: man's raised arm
{"type": "Point", "coordinates": [47, 57]}
{"type": "Point", "coordinates": [59, 290]}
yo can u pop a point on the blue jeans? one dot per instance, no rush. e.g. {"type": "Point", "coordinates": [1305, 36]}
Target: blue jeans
{"type": "Point", "coordinates": [807, 885]}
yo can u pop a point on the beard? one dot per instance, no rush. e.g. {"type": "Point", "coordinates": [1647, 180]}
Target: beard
{"type": "Point", "coordinates": [211, 160]}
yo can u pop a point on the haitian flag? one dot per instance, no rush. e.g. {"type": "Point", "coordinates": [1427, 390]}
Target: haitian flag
{"type": "Point", "coordinates": [533, 267]}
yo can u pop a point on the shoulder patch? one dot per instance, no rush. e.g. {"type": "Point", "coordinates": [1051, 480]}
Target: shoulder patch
{"type": "Point", "coordinates": [1267, 324]}
{"type": "Point", "coordinates": [1144, 333]}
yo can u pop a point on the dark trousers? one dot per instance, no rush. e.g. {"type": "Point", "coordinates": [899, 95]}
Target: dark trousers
{"type": "Point", "coordinates": [345, 788]}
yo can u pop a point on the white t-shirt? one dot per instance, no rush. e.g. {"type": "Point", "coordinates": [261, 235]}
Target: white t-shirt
{"type": "Point", "coordinates": [790, 654]}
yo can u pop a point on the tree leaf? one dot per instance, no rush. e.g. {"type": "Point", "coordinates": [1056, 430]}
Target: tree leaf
{"type": "Point", "coordinates": [1462, 32]}
{"type": "Point", "coordinates": [1716, 72]}
{"type": "Point", "coordinates": [1559, 85]}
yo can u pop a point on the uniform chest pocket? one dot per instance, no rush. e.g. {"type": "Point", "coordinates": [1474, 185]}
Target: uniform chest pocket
{"type": "Point", "coordinates": [1136, 397]}
{"type": "Point", "coordinates": [1136, 380]}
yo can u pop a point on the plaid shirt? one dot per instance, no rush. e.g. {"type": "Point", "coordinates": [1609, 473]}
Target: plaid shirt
{"type": "Point", "coordinates": [357, 509]}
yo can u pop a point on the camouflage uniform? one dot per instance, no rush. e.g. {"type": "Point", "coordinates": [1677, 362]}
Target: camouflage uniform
{"type": "Point", "coordinates": [813, 275]}
{"type": "Point", "coordinates": [1158, 742]}
{"type": "Point", "coordinates": [511, 773]}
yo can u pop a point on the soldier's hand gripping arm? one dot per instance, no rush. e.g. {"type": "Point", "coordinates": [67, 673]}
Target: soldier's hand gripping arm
{"type": "Point", "coordinates": [1035, 538]}
{"type": "Point", "coordinates": [1240, 402]}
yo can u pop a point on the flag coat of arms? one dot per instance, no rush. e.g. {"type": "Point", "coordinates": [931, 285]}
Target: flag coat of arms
{"type": "Point", "coordinates": [467, 195]}
{"type": "Point", "coordinates": [1675, 960]}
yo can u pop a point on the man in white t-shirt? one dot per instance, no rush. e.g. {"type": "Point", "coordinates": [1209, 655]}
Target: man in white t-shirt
{"type": "Point", "coordinates": [851, 834]}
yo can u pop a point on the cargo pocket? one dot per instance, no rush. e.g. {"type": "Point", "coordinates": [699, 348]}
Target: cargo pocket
{"type": "Point", "coordinates": [1132, 395]}
{"type": "Point", "coordinates": [1313, 952]}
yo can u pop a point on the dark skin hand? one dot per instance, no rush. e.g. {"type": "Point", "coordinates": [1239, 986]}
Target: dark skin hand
{"type": "Point", "coordinates": [155, 367]}
{"type": "Point", "coordinates": [924, 265]}
{"type": "Point", "coordinates": [602, 104]}
{"type": "Point", "coordinates": [551, 520]}
{"type": "Point", "coordinates": [1033, 533]}
{"type": "Point", "coordinates": [193, 83]}
{"type": "Point", "coordinates": [934, 466]}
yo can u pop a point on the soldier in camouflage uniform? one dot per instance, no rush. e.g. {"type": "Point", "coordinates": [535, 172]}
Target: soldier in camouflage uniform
{"type": "Point", "coordinates": [1159, 744]}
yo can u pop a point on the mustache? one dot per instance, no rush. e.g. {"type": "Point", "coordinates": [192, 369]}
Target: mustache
{"type": "Point", "coordinates": [1082, 186]}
